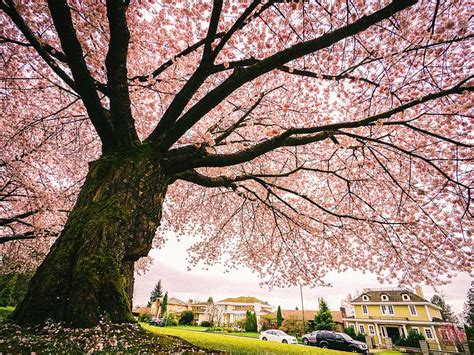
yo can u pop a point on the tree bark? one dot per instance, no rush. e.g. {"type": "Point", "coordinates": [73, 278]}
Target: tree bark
{"type": "Point", "coordinates": [89, 271]}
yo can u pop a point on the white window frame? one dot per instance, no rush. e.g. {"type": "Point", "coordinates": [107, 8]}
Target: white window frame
{"type": "Point", "coordinates": [405, 297]}
{"type": "Point", "coordinates": [383, 330]}
{"type": "Point", "coordinates": [361, 329]}
{"type": "Point", "coordinates": [384, 298]}
{"type": "Point", "coordinates": [412, 308]}
{"type": "Point", "coordinates": [430, 332]}
{"type": "Point", "coordinates": [365, 309]}
{"type": "Point", "coordinates": [371, 329]}
{"type": "Point", "coordinates": [416, 330]}
{"type": "Point", "coordinates": [387, 309]}
{"type": "Point", "coordinates": [365, 298]}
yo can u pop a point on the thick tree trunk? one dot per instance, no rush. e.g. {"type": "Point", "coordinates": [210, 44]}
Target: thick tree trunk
{"type": "Point", "coordinates": [89, 271]}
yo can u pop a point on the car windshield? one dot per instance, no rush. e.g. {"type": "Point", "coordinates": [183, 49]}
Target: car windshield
{"type": "Point", "coordinates": [345, 336]}
{"type": "Point", "coordinates": [280, 332]}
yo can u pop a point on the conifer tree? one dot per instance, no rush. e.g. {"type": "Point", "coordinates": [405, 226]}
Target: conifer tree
{"type": "Point", "coordinates": [279, 317]}
{"type": "Point", "coordinates": [468, 309]}
{"type": "Point", "coordinates": [164, 305]}
{"type": "Point", "coordinates": [323, 319]}
{"type": "Point", "coordinates": [446, 312]}
{"type": "Point", "coordinates": [156, 293]}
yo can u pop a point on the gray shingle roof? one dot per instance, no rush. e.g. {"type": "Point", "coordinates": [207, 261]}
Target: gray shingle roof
{"type": "Point", "coordinates": [393, 296]}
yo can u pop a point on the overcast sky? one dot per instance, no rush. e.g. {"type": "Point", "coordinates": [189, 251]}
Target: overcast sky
{"type": "Point", "coordinates": [171, 267]}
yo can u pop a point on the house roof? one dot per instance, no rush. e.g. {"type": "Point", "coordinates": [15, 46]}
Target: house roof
{"type": "Point", "coordinates": [243, 299]}
{"type": "Point", "coordinates": [393, 295]}
{"type": "Point", "coordinates": [308, 314]}
{"type": "Point", "coordinates": [173, 300]}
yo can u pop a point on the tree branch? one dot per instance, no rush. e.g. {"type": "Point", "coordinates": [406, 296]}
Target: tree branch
{"type": "Point", "coordinates": [239, 78]}
{"type": "Point", "coordinates": [116, 63]}
{"type": "Point", "coordinates": [62, 20]}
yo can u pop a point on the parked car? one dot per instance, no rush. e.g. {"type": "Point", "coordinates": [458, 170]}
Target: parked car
{"type": "Point", "coordinates": [157, 321]}
{"type": "Point", "coordinates": [278, 336]}
{"type": "Point", "coordinates": [334, 340]}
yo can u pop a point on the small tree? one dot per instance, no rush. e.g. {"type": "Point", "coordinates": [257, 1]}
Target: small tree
{"type": "Point", "coordinates": [250, 322]}
{"type": "Point", "coordinates": [468, 309]}
{"type": "Point", "coordinates": [164, 305]}
{"type": "Point", "coordinates": [446, 312]}
{"type": "Point", "coordinates": [254, 322]}
{"type": "Point", "coordinates": [323, 318]}
{"type": "Point", "coordinates": [293, 326]}
{"type": "Point", "coordinates": [187, 318]}
{"type": "Point", "coordinates": [279, 317]}
{"type": "Point", "coordinates": [156, 293]}
{"type": "Point", "coordinates": [210, 300]}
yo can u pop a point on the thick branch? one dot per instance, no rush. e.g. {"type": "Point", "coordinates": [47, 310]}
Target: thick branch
{"type": "Point", "coordinates": [62, 20]}
{"type": "Point", "coordinates": [116, 63]}
{"type": "Point", "coordinates": [193, 158]}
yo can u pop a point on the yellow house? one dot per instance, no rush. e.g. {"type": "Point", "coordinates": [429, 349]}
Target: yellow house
{"type": "Point", "coordinates": [393, 313]}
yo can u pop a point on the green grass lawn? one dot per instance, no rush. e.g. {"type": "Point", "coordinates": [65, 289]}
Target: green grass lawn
{"type": "Point", "coordinates": [194, 328]}
{"type": "Point", "coordinates": [234, 344]}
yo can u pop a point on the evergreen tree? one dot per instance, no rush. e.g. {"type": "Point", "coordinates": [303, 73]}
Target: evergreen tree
{"type": "Point", "coordinates": [446, 312]}
{"type": "Point", "coordinates": [210, 300]}
{"type": "Point", "coordinates": [164, 305]}
{"type": "Point", "coordinates": [250, 322]}
{"type": "Point", "coordinates": [323, 318]}
{"type": "Point", "coordinates": [254, 322]}
{"type": "Point", "coordinates": [468, 309]}
{"type": "Point", "coordinates": [279, 317]}
{"type": "Point", "coordinates": [156, 293]}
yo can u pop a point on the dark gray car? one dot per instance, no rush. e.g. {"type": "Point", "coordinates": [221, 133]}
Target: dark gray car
{"type": "Point", "coordinates": [334, 340]}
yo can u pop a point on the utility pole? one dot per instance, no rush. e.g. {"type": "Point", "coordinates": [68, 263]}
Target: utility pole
{"type": "Point", "coordinates": [302, 307]}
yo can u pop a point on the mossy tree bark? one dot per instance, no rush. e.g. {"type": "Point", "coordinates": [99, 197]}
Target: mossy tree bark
{"type": "Point", "coordinates": [89, 270]}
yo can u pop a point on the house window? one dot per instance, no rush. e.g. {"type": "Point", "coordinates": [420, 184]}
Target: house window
{"type": "Point", "coordinates": [382, 328]}
{"type": "Point", "coordinates": [429, 333]}
{"type": "Point", "coordinates": [384, 297]}
{"type": "Point", "coordinates": [361, 329]}
{"type": "Point", "coordinates": [365, 310]}
{"type": "Point", "coordinates": [371, 330]}
{"type": "Point", "coordinates": [412, 310]}
{"type": "Point", "coordinates": [365, 298]}
{"type": "Point", "coordinates": [387, 309]}
{"type": "Point", "coordinates": [416, 330]}
{"type": "Point", "coordinates": [405, 297]}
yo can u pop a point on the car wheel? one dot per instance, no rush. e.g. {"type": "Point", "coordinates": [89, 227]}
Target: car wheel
{"type": "Point", "coordinates": [264, 339]}
{"type": "Point", "coordinates": [324, 345]}
{"type": "Point", "coordinates": [284, 341]}
{"type": "Point", "coordinates": [305, 341]}
{"type": "Point", "coordinates": [353, 350]}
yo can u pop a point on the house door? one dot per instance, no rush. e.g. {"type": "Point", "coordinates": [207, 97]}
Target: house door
{"type": "Point", "coordinates": [393, 333]}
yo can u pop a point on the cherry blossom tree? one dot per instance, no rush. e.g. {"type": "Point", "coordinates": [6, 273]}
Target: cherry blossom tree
{"type": "Point", "coordinates": [291, 138]}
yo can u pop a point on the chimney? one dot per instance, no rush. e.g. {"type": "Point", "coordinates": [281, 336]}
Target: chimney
{"type": "Point", "coordinates": [343, 312]}
{"type": "Point", "coordinates": [419, 292]}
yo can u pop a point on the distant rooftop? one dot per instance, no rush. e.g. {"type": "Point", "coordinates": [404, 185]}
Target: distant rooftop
{"type": "Point", "coordinates": [243, 299]}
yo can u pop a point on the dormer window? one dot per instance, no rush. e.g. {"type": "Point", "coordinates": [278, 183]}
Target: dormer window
{"type": "Point", "coordinates": [365, 298]}
{"type": "Point", "coordinates": [384, 298]}
{"type": "Point", "coordinates": [405, 297]}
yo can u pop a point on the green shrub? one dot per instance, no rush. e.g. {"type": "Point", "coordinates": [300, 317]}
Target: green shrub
{"type": "Point", "coordinates": [294, 326]}
{"type": "Point", "coordinates": [144, 317]}
{"type": "Point", "coordinates": [187, 318]}
{"type": "Point", "coordinates": [205, 323]}
{"type": "Point", "coordinates": [351, 332]}
{"type": "Point", "coordinates": [412, 340]}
